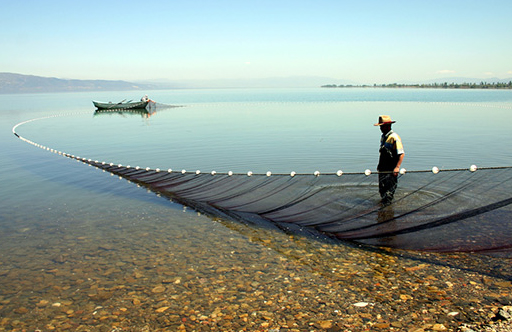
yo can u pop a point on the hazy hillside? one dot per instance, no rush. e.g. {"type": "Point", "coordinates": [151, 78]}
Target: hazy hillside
{"type": "Point", "coordinates": [17, 83]}
{"type": "Point", "coordinates": [267, 82]}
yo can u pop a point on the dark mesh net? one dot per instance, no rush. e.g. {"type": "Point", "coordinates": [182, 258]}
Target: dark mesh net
{"type": "Point", "coordinates": [453, 210]}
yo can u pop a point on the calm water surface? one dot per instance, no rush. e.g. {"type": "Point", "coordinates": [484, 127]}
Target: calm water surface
{"type": "Point", "coordinates": [289, 132]}
{"type": "Point", "coordinates": [95, 231]}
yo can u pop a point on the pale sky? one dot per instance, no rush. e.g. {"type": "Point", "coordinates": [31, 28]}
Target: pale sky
{"type": "Point", "coordinates": [367, 42]}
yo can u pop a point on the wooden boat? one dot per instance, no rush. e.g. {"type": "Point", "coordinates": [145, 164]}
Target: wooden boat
{"type": "Point", "coordinates": [121, 105]}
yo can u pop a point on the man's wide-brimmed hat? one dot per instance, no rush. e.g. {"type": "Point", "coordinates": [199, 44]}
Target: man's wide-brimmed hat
{"type": "Point", "coordinates": [384, 119]}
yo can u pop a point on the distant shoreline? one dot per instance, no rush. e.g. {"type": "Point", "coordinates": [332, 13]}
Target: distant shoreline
{"type": "Point", "coordinates": [446, 85]}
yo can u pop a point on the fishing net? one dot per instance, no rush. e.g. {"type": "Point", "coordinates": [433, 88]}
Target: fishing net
{"type": "Point", "coordinates": [468, 210]}
{"type": "Point", "coordinates": [455, 210]}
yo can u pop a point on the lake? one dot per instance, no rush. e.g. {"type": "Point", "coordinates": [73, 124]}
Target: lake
{"type": "Point", "coordinates": [83, 249]}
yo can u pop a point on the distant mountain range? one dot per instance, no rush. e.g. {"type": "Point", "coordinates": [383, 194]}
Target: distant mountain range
{"type": "Point", "coordinates": [267, 82]}
{"type": "Point", "coordinates": [18, 83]}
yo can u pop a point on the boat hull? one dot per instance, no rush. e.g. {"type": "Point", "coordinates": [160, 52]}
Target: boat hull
{"type": "Point", "coordinates": [120, 106]}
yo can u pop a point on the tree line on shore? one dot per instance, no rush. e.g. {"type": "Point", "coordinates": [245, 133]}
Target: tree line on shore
{"type": "Point", "coordinates": [445, 85]}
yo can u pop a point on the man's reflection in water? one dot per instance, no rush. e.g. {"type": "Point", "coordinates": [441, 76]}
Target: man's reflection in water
{"type": "Point", "coordinates": [386, 266]}
{"type": "Point", "coordinates": [385, 216]}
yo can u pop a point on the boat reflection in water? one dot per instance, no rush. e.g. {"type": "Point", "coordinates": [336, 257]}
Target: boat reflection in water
{"type": "Point", "coordinates": [145, 113]}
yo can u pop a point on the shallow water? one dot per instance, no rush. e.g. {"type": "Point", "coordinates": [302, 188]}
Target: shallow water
{"type": "Point", "coordinates": [84, 250]}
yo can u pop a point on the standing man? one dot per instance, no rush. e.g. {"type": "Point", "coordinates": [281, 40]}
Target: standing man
{"type": "Point", "coordinates": [390, 158]}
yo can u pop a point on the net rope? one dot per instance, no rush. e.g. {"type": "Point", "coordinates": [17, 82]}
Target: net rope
{"type": "Point", "coordinates": [465, 209]}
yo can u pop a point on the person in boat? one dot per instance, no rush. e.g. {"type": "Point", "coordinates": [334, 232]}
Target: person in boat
{"type": "Point", "coordinates": [146, 99]}
{"type": "Point", "coordinates": [391, 156]}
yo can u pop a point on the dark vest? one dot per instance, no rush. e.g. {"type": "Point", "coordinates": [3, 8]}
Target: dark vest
{"type": "Point", "coordinates": [388, 157]}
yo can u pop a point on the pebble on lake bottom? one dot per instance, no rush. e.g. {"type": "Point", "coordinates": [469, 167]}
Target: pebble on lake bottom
{"type": "Point", "coordinates": [152, 276]}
